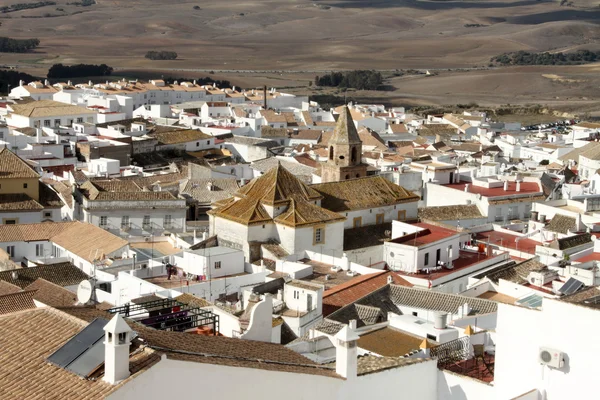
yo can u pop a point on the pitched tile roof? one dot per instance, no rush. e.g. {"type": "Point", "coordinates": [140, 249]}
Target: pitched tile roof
{"type": "Point", "coordinates": [51, 294]}
{"type": "Point", "coordinates": [302, 213]}
{"type": "Point", "coordinates": [516, 273]}
{"type": "Point", "coordinates": [246, 211]}
{"type": "Point", "coordinates": [220, 189]}
{"type": "Point", "coordinates": [117, 190]}
{"type": "Point", "coordinates": [561, 224]}
{"type": "Point", "coordinates": [277, 186]}
{"type": "Point", "coordinates": [356, 194]}
{"type": "Point", "coordinates": [437, 301]}
{"type": "Point", "coordinates": [18, 202]}
{"type": "Point", "coordinates": [27, 338]}
{"type": "Point", "coordinates": [180, 136]}
{"type": "Point", "coordinates": [62, 274]}
{"type": "Point", "coordinates": [33, 232]}
{"type": "Point", "coordinates": [218, 350]}
{"type": "Point", "coordinates": [17, 302]}
{"type": "Point", "coordinates": [12, 166]}
{"type": "Point", "coordinates": [390, 342]}
{"type": "Point", "coordinates": [192, 300]}
{"type": "Point", "coordinates": [450, 213]}
{"type": "Point", "coordinates": [370, 364]}
{"type": "Point", "coordinates": [84, 240]}
{"type": "Point", "coordinates": [49, 108]}
{"type": "Point", "coordinates": [8, 288]}
{"type": "Point", "coordinates": [357, 288]}
{"type": "Point", "coordinates": [571, 241]}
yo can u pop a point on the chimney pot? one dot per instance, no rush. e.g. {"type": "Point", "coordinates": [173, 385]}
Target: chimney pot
{"type": "Point", "coordinates": [505, 186]}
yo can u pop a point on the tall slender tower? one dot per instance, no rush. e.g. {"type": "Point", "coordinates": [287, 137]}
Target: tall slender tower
{"type": "Point", "coordinates": [344, 159]}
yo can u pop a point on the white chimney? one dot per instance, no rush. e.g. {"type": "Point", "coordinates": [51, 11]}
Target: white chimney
{"type": "Point", "coordinates": [346, 362]}
{"type": "Point", "coordinates": [46, 83]}
{"type": "Point", "coordinates": [204, 236]}
{"type": "Point", "coordinates": [467, 188]}
{"type": "Point", "coordinates": [194, 82]}
{"type": "Point", "coordinates": [69, 83]}
{"type": "Point", "coordinates": [90, 83]}
{"type": "Point", "coordinates": [518, 186]}
{"type": "Point", "coordinates": [116, 350]}
{"type": "Point", "coordinates": [345, 262]}
{"type": "Point", "coordinates": [20, 83]}
{"type": "Point", "coordinates": [505, 186]}
{"type": "Point", "coordinates": [390, 279]}
{"type": "Point", "coordinates": [14, 275]}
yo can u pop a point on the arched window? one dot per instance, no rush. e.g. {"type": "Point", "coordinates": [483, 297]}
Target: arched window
{"type": "Point", "coordinates": [347, 176]}
{"type": "Point", "coordinates": [353, 156]}
{"type": "Point", "coordinates": [331, 152]}
{"type": "Point", "coordinates": [358, 175]}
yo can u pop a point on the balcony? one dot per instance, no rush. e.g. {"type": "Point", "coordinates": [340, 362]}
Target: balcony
{"type": "Point", "coordinates": [126, 227]}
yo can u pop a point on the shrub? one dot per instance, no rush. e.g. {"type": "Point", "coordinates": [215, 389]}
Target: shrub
{"type": "Point", "coordinates": [161, 55]}
{"type": "Point", "coordinates": [8, 45]}
{"type": "Point", "coordinates": [78, 71]}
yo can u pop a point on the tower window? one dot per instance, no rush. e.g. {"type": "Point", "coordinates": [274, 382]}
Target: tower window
{"type": "Point", "coordinates": [347, 176]}
{"type": "Point", "coordinates": [331, 152]}
{"type": "Point", "coordinates": [353, 155]}
{"type": "Point", "coordinates": [342, 157]}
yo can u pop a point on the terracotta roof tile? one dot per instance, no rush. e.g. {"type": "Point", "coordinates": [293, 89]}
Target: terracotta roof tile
{"type": "Point", "coordinates": [450, 213]}
{"type": "Point", "coordinates": [12, 166]}
{"type": "Point", "coordinates": [8, 288]}
{"type": "Point", "coordinates": [62, 274]}
{"type": "Point", "coordinates": [302, 213]}
{"type": "Point", "coordinates": [180, 136]}
{"type": "Point", "coordinates": [17, 302]}
{"type": "Point", "coordinates": [33, 232]}
{"type": "Point", "coordinates": [85, 239]}
{"type": "Point", "coordinates": [356, 194]}
{"type": "Point", "coordinates": [52, 294]}
{"type": "Point", "coordinates": [357, 288]}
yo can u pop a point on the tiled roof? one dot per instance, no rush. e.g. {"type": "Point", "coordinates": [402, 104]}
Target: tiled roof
{"type": "Point", "coordinates": [17, 302]}
{"type": "Point", "coordinates": [369, 364]}
{"type": "Point", "coordinates": [571, 241]}
{"type": "Point", "coordinates": [303, 172]}
{"type": "Point", "coordinates": [246, 211]}
{"type": "Point", "coordinates": [356, 194]}
{"type": "Point", "coordinates": [450, 213]}
{"type": "Point", "coordinates": [437, 301]}
{"type": "Point", "coordinates": [62, 274]}
{"type": "Point", "coordinates": [345, 130]}
{"type": "Point", "coordinates": [85, 240]}
{"type": "Point", "coordinates": [27, 338]}
{"type": "Point", "coordinates": [390, 342]}
{"type": "Point", "coordinates": [302, 213]}
{"type": "Point", "coordinates": [561, 224]}
{"type": "Point", "coordinates": [277, 186]}
{"type": "Point", "coordinates": [48, 108]}
{"type": "Point", "coordinates": [116, 190]}
{"type": "Point", "coordinates": [251, 141]}
{"type": "Point", "coordinates": [12, 166]}
{"type": "Point", "coordinates": [357, 288]}
{"type": "Point", "coordinates": [218, 350]}
{"type": "Point", "coordinates": [32, 232]}
{"type": "Point", "coordinates": [65, 190]}
{"type": "Point", "coordinates": [270, 132]}
{"type": "Point", "coordinates": [8, 288]}
{"type": "Point", "coordinates": [271, 116]}
{"type": "Point", "coordinates": [516, 273]}
{"type": "Point", "coordinates": [590, 149]}
{"type": "Point", "coordinates": [180, 136]}
{"type": "Point", "coordinates": [51, 294]}
{"type": "Point", "coordinates": [220, 189]}
{"type": "Point", "coordinates": [192, 300]}
{"type": "Point", "coordinates": [18, 202]}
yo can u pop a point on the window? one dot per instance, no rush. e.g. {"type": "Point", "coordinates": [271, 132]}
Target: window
{"type": "Point", "coordinates": [217, 264]}
{"type": "Point", "coordinates": [168, 221]}
{"type": "Point", "coordinates": [46, 122]}
{"type": "Point", "coordinates": [208, 142]}
{"type": "Point", "coordinates": [122, 337]}
{"type": "Point", "coordinates": [125, 221]}
{"type": "Point", "coordinates": [296, 294]}
{"type": "Point", "coordinates": [56, 122]}
{"type": "Point", "coordinates": [432, 337]}
{"type": "Point", "coordinates": [11, 251]}
{"type": "Point", "coordinates": [379, 218]}
{"type": "Point", "coordinates": [47, 214]}
{"type": "Point", "coordinates": [10, 221]}
{"type": "Point", "coordinates": [39, 250]}
{"type": "Point", "coordinates": [146, 220]}
{"type": "Point", "coordinates": [80, 120]}
{"type": "Point", "coordinates": [24, 186]}
{"type": "Point", "coordinates": [103, 220]}
{"type": "Point", "coordinates": [402, 215]}
{"type": "Point", "coordinates": [197, 144]}
{"type": "Point", "coordinates": [426, 259]}
{"type": "Point", "coordinates": [319, 235]}
{"type": "Point", "coordinates": [416, 314]}
{"type": "Point", "coordinates": [357, 222]}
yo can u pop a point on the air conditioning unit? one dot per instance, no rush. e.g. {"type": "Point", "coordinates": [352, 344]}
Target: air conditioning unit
{"type": "Point", "coordinates": [146, 239]}
{"type": "Point", "coordinates": [552, 358]}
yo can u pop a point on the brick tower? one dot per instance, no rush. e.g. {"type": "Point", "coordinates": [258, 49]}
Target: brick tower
{"type": "Point", "coordinates": [345, 152]}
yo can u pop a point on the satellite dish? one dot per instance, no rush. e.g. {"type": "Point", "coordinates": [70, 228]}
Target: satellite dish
{"type": "Point", "coordinates": [84, 292]}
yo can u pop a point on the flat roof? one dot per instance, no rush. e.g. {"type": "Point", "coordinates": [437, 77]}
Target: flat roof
{"type": "Point", "coordinates": [430, 234]}
{"type": "Point", "coordinates": [507, 240]}
{"type": "Point", "coordinates": [465, 260]}
{"type": "Point", "coordinates": [526, 188]}
{"type": "Point", "coordinates": [214, 251]}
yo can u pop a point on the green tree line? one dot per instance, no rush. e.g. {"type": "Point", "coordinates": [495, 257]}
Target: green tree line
{"type": "Point", "coordinates": [359, 79]}
{"type": "Point", "coordinates": [527, 58]}
{"type": "Point", "coordinates": [78, 71]}
{"type": "Point", "coordinates": [9, 45]}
